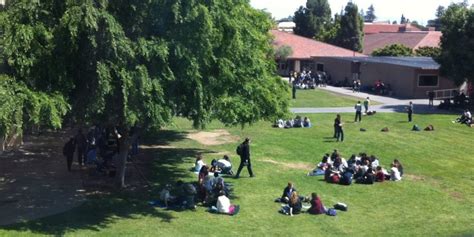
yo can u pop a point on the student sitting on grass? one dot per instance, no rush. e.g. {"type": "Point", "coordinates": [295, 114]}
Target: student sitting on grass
{"type": "Point", "coordinates": [317, 206]}
{"type": "Point", "coordinates": [224, 206]}
{"type": "Point", "coordinates": [399, 166]}
{"type": "Point", "coordinates": [466, 118]}
{"type": "Point", "coordinates": [287, 192]}
{"type": "Point", "coordinates": [198, 164]}
{"type": "Point", "coordinates": [306, 122]}
{"type": "Point", "coordinates": [395, 173]}
{"type": "Point", "coordinates": [379, 175]}
{"type": "Point", "coordinates": [294, 205]}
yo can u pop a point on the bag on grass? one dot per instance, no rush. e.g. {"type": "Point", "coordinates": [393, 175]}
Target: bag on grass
{"type": "Point", "coordinates": [340, 206]}
{"type": "Point", "coordinates": [385, 129]}
{"type": "Point", "coordinates": [331, 212]}
{"type": "Point", "coordinates": [415, 128]}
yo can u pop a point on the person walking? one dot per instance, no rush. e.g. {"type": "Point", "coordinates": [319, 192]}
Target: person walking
{"type": "Point", "coordinates": [410, 111]}
{"type": "Point", "coordinates": [243, 150]}
{"type": "Point", "coordinates": [358, 115]}
{"type": "Point", "coordinates": [338, 125]}
{"type": "Point", "coordinates": [68, 151]}
{"type": "Point", "coordinates": [81, 143]}
{"type": "Point", "coordinates": [366, 105]}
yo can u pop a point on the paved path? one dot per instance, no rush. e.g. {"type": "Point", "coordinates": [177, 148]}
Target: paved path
{"type": "Point", "coordinates": [388, 104]}
{"type": "Point", "coordinates": [35, 183]}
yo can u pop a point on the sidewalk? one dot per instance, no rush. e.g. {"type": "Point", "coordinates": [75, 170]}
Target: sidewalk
{"type": "Point", "coordinates": [388, 104]}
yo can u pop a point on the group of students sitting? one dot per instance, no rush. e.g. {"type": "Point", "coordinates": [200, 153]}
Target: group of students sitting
{"type": "Point", "coordinates": [363, 169]}
{"type": "Point", "coordinates": [297, 122]}
{"type": "Point", "coordinates": [211, 190]}
{"type": "Point", "coordinates": [294, 202]}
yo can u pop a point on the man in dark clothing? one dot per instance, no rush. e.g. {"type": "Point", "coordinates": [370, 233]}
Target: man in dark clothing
{"type": "Point", "coordinates": [431, 95]}
{"type": "Point", "coordinates": [245, 158]}
{"type": "Point", "coordinates": [81, 144]}
{"type": "Point", "coordinates": [293, 89]}
{"type": "Point", "coordinates": [68, 151]}
{"type": "Point", "coordinates": [410, 111]}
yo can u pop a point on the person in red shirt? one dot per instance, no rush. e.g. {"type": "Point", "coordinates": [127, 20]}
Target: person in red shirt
{"type": "Point", "coordinates": [317, 206]}
{"type": "Point", "coordinates": [379, 176]}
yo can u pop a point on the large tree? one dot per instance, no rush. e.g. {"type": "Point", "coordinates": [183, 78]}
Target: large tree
{"type": "Point", "coordinates": [457, 46]}
{"type": "Point", "coordinates": [313, 19]}
{"type": "Point", "coordinates": [436, 23]}
{"type": "Point", "coordinates": [135, 62]}
{"type": "Point", "coordinates": [351, 34]}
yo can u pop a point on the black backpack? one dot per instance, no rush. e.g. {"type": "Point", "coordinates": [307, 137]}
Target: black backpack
{"type": "Point", "coordinates": [238, 150]}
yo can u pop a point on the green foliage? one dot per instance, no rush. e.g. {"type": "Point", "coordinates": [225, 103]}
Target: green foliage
{"type": "Point", "coordinates": [457, 46]}
{"type": "Point", "coordinates": [395, 50]}
{"type": "Point", "coordinates": [351, 33]}
{"type": "Point", "coordinates": [436, 23]}
{"type": "Point", "coordinates": [20, 107]}
{"type": "Point", "coordinates": [313, 19]}
{"type": "Point", "coordinates": [283, 52]}
{"type": "Point", "coordinates": [370, 14]}
{"type": "Point", "coordinates": [427, 51]}
{"type": "Point", "coordinates": [141, 62]}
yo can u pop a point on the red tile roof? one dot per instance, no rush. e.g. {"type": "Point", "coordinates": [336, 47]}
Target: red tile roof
{"type": "Point", "coordinates": [412, 40]}
{"type": "Point", "coordinates": [379, 28]}
{"type": "Point", "coordinates": [305, 48]}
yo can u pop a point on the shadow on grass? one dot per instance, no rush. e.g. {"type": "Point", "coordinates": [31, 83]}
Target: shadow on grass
{"type": "Point", "coordinates": [159, 165]}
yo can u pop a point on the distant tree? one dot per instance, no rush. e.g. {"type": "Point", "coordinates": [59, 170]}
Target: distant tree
{"type": "Point", "coordinates": [457, 46]}
{"type": "Point", "coordinates": [394, 22]}
{"type": "Point", "coordinates": [312, 19]}
{"type": "Point", "coordinates": [351, 35]}
{"type": "Point", "coordinates": [283, 52]}
{"type": "Point", "coordinates": [370, 14]}
{"type": "Point", "coordinates": [427, 51]}
{"type": "Point", "coordinates": [403, 20]}
{"type": "Point", "coordinates": [330, 33]}
{"type": "Point", "coordinates": [362, 13]}
{"type": "Point", "coordinates": [436, 23]}
{"type": "Point", "coordinates": [417, 25]}
{"type": "Point", "coordinates": [395, 50]}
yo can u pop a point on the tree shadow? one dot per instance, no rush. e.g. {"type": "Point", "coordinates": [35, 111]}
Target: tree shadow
{"type": "Point", "coordinates": [158, 165]}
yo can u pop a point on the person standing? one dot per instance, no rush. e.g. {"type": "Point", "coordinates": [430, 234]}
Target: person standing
{"type": "Point", "coordinates": [431, 95]}
{"type": "Point", "coordinates": [68, 151]}
{"type": "Point", "coordinates": [81, 143]}
{"type": "Point", "coordinates": [358, 115]}
{"type": "Point", "coordinates": [244, 153]}
{"type": "Point", "coordinates": [410, 111]}
{"type": "Point", "coordinates": [338, 125]}
{"type": "Point", "coordinates": [293, 89]}
{"type": "Point", "coordinates": [366, 105]}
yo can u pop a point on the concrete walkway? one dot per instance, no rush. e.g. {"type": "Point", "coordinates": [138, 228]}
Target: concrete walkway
{"type": "Point", "coordinates": [388, 104]}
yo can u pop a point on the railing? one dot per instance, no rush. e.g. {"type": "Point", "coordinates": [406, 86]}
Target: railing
{"type": "Point", "coordinates": [446, 94]}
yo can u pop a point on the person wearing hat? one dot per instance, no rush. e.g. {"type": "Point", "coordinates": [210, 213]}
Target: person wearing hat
{"type": "Point", "coordinates": [245, 158]}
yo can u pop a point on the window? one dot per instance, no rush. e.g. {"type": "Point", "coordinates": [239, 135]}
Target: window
{"type": "Point", "coordinates": [320, 67]}
{"type": "Point", "coordinates": [427, 80]}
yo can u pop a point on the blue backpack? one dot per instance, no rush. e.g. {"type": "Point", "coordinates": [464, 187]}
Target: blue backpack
{"type": "Point", "coordinates": [331, 212]}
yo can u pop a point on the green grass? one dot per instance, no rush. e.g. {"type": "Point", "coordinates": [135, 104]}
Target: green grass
{"type": "Point", "coordinates": [436, 197]}
{"type": "Point", "coordinates": [322, 98]}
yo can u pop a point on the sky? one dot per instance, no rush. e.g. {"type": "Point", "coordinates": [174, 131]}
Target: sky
{"type": "Point", "coordinates": [415, 10]}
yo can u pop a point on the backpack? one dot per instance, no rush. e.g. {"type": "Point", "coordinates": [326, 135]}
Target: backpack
{"type": "Point", "coordinates": [238, 150]}
{"type": "Point", "coordinates": [335, 179]}
{"type": "Point", "coordinates": [415, 128]}
{"type": "Point", "coordinates": [340, 206]}
{"type": "Point", "coordinates": [331, 212]}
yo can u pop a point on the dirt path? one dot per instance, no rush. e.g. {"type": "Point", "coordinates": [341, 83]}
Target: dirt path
{"type": "Point", "coordinates": [34, 181]}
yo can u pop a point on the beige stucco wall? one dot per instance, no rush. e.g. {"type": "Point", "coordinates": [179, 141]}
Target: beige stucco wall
{"type": "Point", "coordinates": [403, 80]}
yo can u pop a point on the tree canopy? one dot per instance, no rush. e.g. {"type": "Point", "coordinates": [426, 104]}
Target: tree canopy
{"type": "Point", "coordinates": [395, 50]}
{"type": "Point", "coordinates": [457, 46]}
{"type": "Point", "coordinates": [351, 31]}
{"type": "Point", "coordinates": [313, 19]}
{"type": "Point", "coordinates": [131, 62]}
{"type": "Point", "coordinates": [428, 51]}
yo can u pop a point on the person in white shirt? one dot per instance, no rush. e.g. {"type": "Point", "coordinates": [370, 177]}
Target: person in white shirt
{"type": "Point", "coordinates": [198, 164]}
{"type": "Point", "coordinates": [224, 205]}
{"type": "Point", "coordinates": [395, 174]}
{"type": "Point", "coordinates": [225, 165]}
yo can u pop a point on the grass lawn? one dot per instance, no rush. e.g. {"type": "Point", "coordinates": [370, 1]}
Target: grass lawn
{"type": "Point", "coordinates": [435, 198]}
{"type": "Point", "coordinates": [322, 98]}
